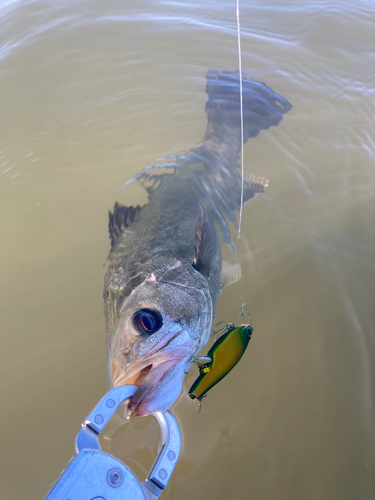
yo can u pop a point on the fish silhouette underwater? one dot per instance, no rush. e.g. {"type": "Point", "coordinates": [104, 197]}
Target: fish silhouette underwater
{"type": "Point", "coordinates": [164, 273]}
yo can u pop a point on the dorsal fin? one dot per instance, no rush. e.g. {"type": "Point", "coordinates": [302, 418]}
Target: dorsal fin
{"type": "Point", "coordinates": [121, 218]}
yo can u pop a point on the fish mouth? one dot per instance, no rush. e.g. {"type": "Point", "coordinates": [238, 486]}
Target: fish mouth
{"type": "Point", "coordinates": [141, 375]}
{"type": "Point", "coordinates": [159, 375]}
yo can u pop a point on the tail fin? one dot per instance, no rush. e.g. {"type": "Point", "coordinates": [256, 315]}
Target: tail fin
{"type": "Point", "coordinates": [262, 108]}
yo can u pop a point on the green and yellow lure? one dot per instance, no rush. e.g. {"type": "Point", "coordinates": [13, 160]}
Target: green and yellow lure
{"type": "Point", "coordinates": [224, 355]}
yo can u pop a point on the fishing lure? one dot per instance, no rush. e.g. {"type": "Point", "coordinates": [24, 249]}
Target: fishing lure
{"type": "Point", "coordinates": [222, 357]}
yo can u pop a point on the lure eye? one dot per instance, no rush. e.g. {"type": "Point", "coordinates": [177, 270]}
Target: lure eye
{"type": "Point", "coordinates": [147, 321]}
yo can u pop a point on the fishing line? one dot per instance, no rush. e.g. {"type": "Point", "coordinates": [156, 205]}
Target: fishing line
{"type": "Point", "coordinates": [241, 111]}
{"type": "Point", "coordinates": [244, 308]}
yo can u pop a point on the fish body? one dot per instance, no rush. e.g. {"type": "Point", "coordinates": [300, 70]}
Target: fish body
{"type": "Point", "coordinates": [164, 270]}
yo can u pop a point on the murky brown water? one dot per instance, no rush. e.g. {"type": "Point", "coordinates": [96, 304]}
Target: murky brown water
{"type": "Point", "coordinates": [91, 92]}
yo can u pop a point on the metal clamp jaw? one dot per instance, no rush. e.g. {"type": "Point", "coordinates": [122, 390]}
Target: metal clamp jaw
{"type": "Point", "coordinates": [95, 475]}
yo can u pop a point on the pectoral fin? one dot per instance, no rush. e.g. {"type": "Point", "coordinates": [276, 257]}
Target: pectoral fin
{"type": "Point", "coordinates": [230, 273]}
{"type": "Point", "coordinates": [253, 185]}
{"type": "Point", "coordinates": [207, 251]}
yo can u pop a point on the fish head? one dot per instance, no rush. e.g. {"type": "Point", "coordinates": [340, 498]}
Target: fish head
{"type": "Point", "coordinates": [156, 323]}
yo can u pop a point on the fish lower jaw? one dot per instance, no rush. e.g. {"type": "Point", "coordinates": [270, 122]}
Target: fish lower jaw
{"type": "Point", "coordinates": [159, 385]}
{"type": "Point", "coordinates": [138, 371]}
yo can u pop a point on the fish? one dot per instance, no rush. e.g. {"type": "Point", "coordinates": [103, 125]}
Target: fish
{"type": "Point", "coordinates": [164, 271]}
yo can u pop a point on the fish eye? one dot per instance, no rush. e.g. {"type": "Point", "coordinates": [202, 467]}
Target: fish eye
{"type": "Point", "coordinates": [147, 321]}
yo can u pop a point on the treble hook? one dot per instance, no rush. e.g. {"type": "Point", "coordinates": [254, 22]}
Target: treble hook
{"type": "Point", "coordinates": [199, 403]}
{"type": "Point", "coordinates": [223, 330]}
{"type": "Point", "coordinates": [244, 314]}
